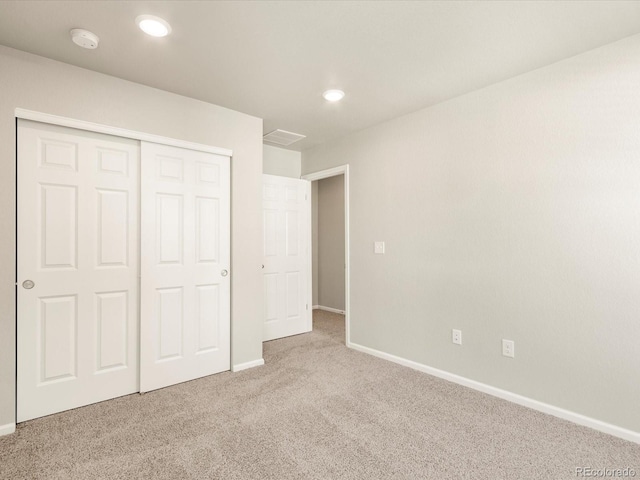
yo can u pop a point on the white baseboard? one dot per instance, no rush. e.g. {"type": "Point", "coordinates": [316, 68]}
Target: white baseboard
{"type": "Point", "coordinates": [244, 366]}
{"type": "Point", "coordinates": [328, 309]}
{"type": "Point", "coordinates": [7, 429]}
{"type": "Point", "coordinates": [578, 418]}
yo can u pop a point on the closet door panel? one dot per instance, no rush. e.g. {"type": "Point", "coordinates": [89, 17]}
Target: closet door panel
{"type": "Point", "coordinates": [77, 268]}
{"type": "Point", "coordinates": [185, 289]}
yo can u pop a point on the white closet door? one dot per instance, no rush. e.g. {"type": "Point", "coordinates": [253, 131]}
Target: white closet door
{"type": "Point", "coordinates": [287, 260]}
{"type": "Point", "coordinates": [185, 289]}
{"type": "Point", "coordinates": [77, 268]}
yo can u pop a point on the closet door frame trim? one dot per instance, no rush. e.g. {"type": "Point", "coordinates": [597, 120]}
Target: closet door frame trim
{"type": "Point", "coordinates": [117, 132]}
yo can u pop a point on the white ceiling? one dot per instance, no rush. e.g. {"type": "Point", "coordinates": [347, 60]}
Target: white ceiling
{"type": "Point", "coordinates": [273, 59]}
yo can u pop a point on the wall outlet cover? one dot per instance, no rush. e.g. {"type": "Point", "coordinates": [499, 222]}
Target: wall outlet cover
{"type": "Point", "coordinates": [508, 348]}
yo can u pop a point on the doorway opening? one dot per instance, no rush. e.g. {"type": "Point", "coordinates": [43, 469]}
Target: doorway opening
{"type": "Point", "coordinates": [329, 242]}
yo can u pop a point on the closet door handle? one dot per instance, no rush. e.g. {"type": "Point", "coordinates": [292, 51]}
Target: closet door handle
{"type": "Point", "coordinates": [224, 273]}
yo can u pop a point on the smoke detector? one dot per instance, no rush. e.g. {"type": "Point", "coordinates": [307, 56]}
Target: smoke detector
{"type": "Point", "coordinates": [84, 38]}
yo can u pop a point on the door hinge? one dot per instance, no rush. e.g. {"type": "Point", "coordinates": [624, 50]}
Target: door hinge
{"type": "Point", "coordinates": [307, 306]}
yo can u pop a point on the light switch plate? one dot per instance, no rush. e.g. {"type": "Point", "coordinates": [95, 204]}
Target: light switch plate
{"type": "Point", "coordinates": [378, 248]}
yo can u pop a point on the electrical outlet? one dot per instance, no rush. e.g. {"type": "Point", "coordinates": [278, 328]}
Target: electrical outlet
{"type": "Point", "coordinates": [508, 348]}
{"type": "Point", "coordinates": [456, 336]}
{"type": "Point", "coordinates": [378, 248]}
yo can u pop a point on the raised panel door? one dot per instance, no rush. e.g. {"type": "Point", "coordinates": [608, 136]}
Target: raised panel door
{"type": "Point", "coordinates": [185, 289]}
{"type": "Point", "coordinates": [78, 245]}
{"type": "Point", "coordinates": [287, 227]}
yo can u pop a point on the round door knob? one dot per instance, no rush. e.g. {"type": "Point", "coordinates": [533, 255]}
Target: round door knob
{"type": "Point", "coordinates": [28, 284]}
{"type": "Point", "coordinates": [224, 273]}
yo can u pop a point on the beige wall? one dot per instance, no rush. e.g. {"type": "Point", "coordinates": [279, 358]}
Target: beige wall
{"type": "Point", "coordinates": [510, 212]}
{"type": "Point", "coordinates": [43, 85]}
{"type": "Point", "coordinates": [281, 162]}
{"type": "Point", "coordinates": [329, 242]}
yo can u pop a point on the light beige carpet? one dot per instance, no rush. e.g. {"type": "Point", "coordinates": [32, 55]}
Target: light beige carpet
{"type": "Point", "coordinates": [316, 410]}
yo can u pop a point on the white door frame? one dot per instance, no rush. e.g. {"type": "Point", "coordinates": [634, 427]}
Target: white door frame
{"type": "Point", "coordinates": [333, 172]}
{"type": "Point", "coordinates": [117, 131]}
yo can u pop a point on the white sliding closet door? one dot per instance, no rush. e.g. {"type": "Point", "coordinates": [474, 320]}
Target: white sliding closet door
{"type": "Point", "coordinates": [185, 289]}
{"type": "Point", "coordinates": [77, 268]}
{"type": "Point", "coordinates": [287, 260]}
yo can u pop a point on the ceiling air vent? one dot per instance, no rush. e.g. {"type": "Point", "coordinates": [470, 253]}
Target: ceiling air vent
{"type": "Point", "coordinates": [282, 137]}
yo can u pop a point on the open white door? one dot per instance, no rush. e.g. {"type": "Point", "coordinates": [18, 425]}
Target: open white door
{"type": "Point", "coordinates": [185, 288]}
{"type": "Point", "coordinates": [77, 268]}
{"type": "Point", "coordinates": [287, 257]}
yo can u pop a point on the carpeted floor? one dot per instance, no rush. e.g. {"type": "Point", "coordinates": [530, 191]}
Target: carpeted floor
{"type": "Point", "coordinates": [316, 410]}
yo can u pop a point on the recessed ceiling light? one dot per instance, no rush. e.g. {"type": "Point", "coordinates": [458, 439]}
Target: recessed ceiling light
{"type": "Point", "coordinates": [84, 38]}
{"type": "Point", "coordinates": [333, 95]}
{"type": "Point", "coordinates": [154, 26]}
